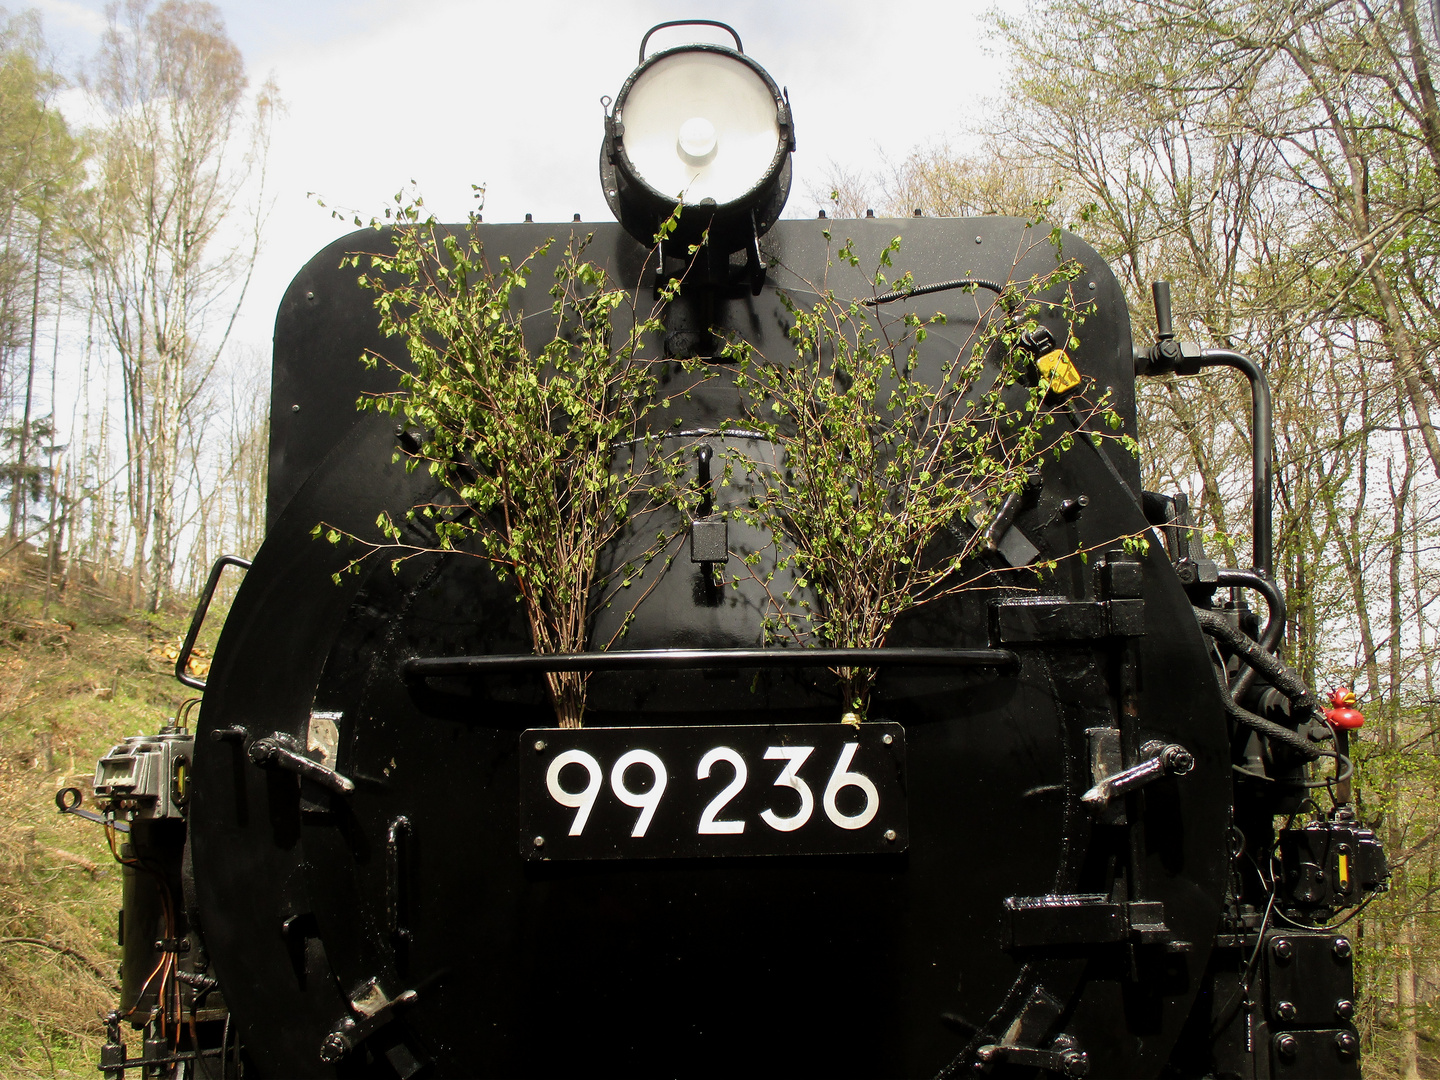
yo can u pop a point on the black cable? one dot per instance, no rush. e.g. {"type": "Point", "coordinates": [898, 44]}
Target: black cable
{"type": "Point", "coordinates": [1335, 925]}
{"type": "Point", "coordinates": [1242, 995]}
{"type": "Point", "coordinates": [1271, 730]}
{"type": "Point", "coordinates": [1345, 768]}
{"type": "Point", "coordinates": [939, 286]}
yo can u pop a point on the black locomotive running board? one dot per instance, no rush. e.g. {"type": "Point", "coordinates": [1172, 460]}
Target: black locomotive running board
{"type": "Point", "coordinates": [639, 659]}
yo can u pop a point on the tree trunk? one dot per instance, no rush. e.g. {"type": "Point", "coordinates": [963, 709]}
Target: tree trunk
{"type": "Point", "coordinates": [17, 490]}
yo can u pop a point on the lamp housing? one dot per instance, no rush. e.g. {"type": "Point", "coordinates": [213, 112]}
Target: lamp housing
{"type": "Point", "coordinates": [702, 126]}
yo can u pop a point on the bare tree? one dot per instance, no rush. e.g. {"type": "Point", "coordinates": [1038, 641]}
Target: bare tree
{"type": "Point", "coordinates": [171, 247]}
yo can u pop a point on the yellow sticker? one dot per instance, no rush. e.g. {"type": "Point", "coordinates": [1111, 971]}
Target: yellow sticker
{"type": "Point", "coordinates": [1344, 873]}
{"type": "Point", "coordinates": [1056, 367]}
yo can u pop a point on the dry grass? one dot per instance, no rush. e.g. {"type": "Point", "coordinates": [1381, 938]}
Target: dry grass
{"type": "Point", "coordinates": [71, 685]}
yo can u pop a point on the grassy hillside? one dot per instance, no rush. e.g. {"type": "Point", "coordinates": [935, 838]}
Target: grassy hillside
{"type": "Point", "coordinates": [73, 681]}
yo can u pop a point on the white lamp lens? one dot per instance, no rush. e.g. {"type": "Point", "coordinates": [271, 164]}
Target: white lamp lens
{"type": "Point", "coordinates": [697, 140]}
{"type": "Point", "coordinates": [701, 125]}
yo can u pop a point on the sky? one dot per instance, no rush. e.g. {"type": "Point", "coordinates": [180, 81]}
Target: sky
{"type": "Point", "coordinates": [448, 94]}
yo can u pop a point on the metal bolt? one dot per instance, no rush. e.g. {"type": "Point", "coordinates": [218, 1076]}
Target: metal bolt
{"type": "Point", "coordinates": [1091, 286]}
{"type": "Point", "coordinates": [334, 1048]}
{"type": "Point", "coordinates": [1281, 949]}
{"type": "Point", "coordinates": [1179, 760]}
{"type": "Point", "coordinates": [539, 745]}
{"type": "Point", "coordinates": [890, 835]}
{"type": "Point", "coordinates": [1285, 1010]}
{"type": "Point", "coordinates": [979, 239]}
{"type": "Point", "coordinates": [1287, 1045]}
{"type": "Point", "coordinates": [1345, 1042]}
{"type": "Point", "coordinates": [294, 408]}
{"type": "Point", "coordinates": [539, 841]}
{"type": "Point", "coordinates": [1344, 1009]}
{"type": "Point", "coordinates": [1075, 1063]}
{"type": "Point", "coordinates": [887, 739]}
{"type": "Point", "coordinates": [1342, 948]}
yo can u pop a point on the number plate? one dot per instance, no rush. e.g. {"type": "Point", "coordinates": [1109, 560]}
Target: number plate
{"type": "Point", "coordinates": [701, 792]}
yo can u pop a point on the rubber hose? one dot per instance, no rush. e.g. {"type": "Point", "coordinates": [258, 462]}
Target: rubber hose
{"type": "Point", "coordinates": [1271, 730]}
{"type": "Point", "coordinates": [1217, 626]}
{"type": "Point", "coordinates": [1281, 677]}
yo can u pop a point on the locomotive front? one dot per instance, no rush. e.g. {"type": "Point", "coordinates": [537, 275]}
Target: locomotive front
{"type": "Point", "coordinates": [1048, 847]}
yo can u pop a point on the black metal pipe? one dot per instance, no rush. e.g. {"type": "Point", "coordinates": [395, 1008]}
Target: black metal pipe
{"type": "Point", "coordinates": [1261, 479]}
{"type": "Point", "coordinates": [1274, 600]}
{"type": "Point", "coordinates": [1274, 624]}
{"type": "Point", "coordinates": [646, 659]}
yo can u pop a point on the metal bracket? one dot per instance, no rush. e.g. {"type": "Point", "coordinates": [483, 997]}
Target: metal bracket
{"type": "Point", "coordinates": [709, 534]}
{"type": "Point", "coordinates": [754, 264]}
{"type": "Point", "coordinates": [271, 750]}
{"type": "Point", "coordinates": [1057, 618]}
{"type": "Point", "coordinates": [68, 800]}
{"type": "Point", "coordinates": [1087, 919]}
{"type": "Point", "coordinates": [373, 1010]}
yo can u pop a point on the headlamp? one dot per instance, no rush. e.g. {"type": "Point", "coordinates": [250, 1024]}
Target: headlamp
{"type": "Point", "coordinates": [703, 126]}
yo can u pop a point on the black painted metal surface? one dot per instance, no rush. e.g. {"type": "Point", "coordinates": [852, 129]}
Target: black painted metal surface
{"type": "Point", "coordinates": [405, 910]}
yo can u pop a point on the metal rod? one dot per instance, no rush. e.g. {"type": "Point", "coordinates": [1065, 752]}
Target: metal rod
{"type": "Point", "coordinates": [182, 661]}
{"type": "Point", "coordinates": [645, 659]}
{"type": "Point", "coordinates": [1261, 479]}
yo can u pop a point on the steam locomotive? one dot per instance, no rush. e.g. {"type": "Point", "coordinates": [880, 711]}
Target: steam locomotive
{"type": "Point", "coordinates": [1050, 849]}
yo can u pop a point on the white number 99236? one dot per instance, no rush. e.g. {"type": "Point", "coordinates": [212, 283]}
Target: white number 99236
{"type": "Point", "coordinates": [631, 765]}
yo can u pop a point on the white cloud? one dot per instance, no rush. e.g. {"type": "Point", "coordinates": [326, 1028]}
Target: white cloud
{"type": "Point", "coordinates": [71, 15]}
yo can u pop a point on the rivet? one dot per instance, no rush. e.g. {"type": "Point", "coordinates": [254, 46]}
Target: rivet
{"type": "Point", "coordinates": [294, 408]}
{"type": "Point", "coordinates": [890, 835]}
{"type": "Point", "coordinates": [1342, 948]}
{"type": "Point", "coordinates": [539, 841]}
{"type": "Point", "coordinates": [887, 739]}
{"type": "Point", "coordinates": [1344, 1009]}
{"type": "Point", "coordinates": [979, 239]}
{"type": "Point", "coordinates": [539, 745]}
{"type": "Point", "coordinates": [1091, 286]}
{"type": "Point", "coordinates": [1283, 950]}
{"type": "Point", "coordinates": [1287, 1045]}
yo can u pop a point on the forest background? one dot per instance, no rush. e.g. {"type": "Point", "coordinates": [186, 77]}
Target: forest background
{"type": "Point", "coordinates": [1279, 164]}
